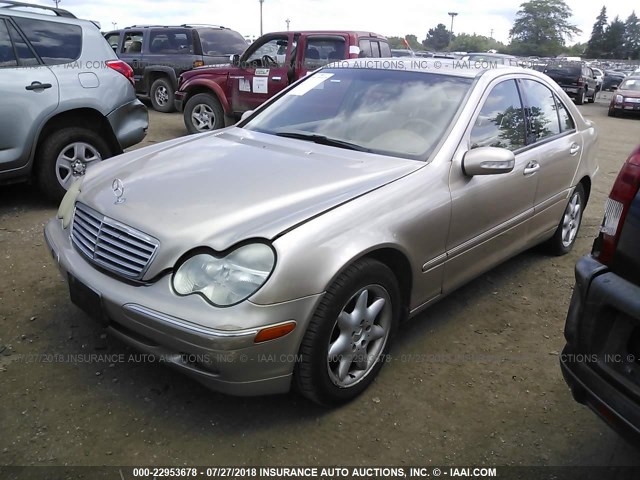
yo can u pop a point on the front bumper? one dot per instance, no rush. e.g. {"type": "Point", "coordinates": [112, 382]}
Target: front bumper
{"type": "Point", "coordinates": [213, 345]}
{"type": "Point", "coordinates": [129, 123]}
{"type": "Point", "coordinates": [179, 100]}
{"type": "Point", "coordinates": [601, 360]}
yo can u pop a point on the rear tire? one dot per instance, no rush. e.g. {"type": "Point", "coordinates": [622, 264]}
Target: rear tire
{"type": "Point", "coordinates": [203, 113]}
{"type": "Point", "coordinates": [567, 232]}
{"type": "Point", "coordinates": [162, 96]}
{"type": "Point", "coordinates": [592, 98]}
{"type": "Point", "coordinates": [64, 156]}
{"type": "Point", "coordinates": [580, 97]}
{"type": "Point", "coordinates": [356, 319]}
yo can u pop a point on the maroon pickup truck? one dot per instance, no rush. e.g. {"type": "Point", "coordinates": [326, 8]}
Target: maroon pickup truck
{"type": "Point", "coordinates": [212, 97]}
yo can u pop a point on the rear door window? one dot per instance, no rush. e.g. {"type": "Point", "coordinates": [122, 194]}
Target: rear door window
{"type": "Point", "coordinates": [26, 58]}
{"type": "Point", "coordinates": [385, 50]}
{"type": "Point", "coordinates": [322, 50]}
{"type": "Point", "coordinates": [542, 115]}
{"type": "Point", "coordinates": [7, 56]}
{"type": "Point", "coordinates": [171, 42]}
{"type": "Point", "coordinates": [55, 43]}
{"type": "Point", "coordinates": [365, 48]}
{"type": "Point", "coordinates": [501, 120]}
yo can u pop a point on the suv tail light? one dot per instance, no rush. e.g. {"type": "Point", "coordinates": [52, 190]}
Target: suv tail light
{"type": "Point", "coordinates": [624, 191]}
{"type": "Point", "coordinates": [198, 63]}
{"type": "Point", "coordinates": [123, 68]}
{"type": "Point", "coordinates": [580, 81]}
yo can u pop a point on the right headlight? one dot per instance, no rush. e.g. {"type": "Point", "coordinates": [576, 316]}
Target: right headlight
{"type": "Point", "coordinates": [228, 280]}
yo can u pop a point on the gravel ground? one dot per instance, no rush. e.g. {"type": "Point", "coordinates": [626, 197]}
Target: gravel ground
{"type": "Point", "coordinates": [474, 380]}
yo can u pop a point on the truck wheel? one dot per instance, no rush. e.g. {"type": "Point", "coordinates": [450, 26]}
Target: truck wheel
{"type": "Point", "coordinates": [580, 97]}
{"type": "Point", "coordinates": [66, 155]}
{"type": "Point", "coordinates": [203, 113]}
{"type": "Point", "coordinates": [162, 95]}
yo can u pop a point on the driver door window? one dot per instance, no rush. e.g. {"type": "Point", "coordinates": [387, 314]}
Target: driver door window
{"type": "Point", "coordinates": [275, 49]}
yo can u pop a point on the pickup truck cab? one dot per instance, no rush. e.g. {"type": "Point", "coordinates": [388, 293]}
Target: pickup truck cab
{"type": "Point", "coordinates": [212, 97]}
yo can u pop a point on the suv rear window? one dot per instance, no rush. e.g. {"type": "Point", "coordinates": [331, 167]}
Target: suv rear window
{"type": "Point", "coordinates": [56, 43]}
{"type": "Point", "coordinates": [221, 42]}
{"type": "Point", "coordinates": [569, 70]}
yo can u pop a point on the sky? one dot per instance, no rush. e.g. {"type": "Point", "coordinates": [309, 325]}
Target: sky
{"type": "Point", "coordinates": [384, 17]}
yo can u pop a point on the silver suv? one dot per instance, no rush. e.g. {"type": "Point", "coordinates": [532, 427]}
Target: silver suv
{"type": "Point", "coordinates": [66, 101]}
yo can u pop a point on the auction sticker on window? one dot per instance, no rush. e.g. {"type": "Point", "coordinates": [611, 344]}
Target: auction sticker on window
{"type": "Point", "coordinates": [315, 81]}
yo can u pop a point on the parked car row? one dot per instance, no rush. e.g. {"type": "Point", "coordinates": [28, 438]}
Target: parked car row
{"type": "Point", "coordinates": [66, 100]}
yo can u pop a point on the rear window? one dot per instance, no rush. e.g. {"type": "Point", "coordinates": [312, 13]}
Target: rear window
{"type": "Point", "coordinates": [564, 70]}
{"type": "Point", "coordinates": [171, 42]}
{"type": "Point", "coordinates": [221, 42]}
{"type": "Point", "coordinates": [56, 43]}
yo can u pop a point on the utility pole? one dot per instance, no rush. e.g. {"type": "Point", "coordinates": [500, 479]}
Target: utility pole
{"type": "Point", "coordinates": [261, 2]}
{"type": "Point", "coordinates": [491, 33]}
{"type": "Point", "coordinates": [57, 2]}
{"type": "Point", "coordinates": [452, 15]}
{"type": "Point", "coordinates": [115, 25]}
{"type": "Point", "coordinates": [288, 22]}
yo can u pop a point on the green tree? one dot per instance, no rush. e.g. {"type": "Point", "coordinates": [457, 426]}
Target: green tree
{"type": "Point", "coordinates": [632, 37]}
{"type": "Point", "coordinates": [413, 42]}
{"type": "Point", "coordinates": [541, 27]}
{"type": "Point", "coordinates": [595, 47]}
{"type": "Point", "coordinates": [437, 38]}
{"type": "Point", "coordinates": [464, 42]}
{"type": "Point", "coordinates": [614, 40]}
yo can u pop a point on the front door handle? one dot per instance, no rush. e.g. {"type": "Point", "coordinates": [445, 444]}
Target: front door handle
{"type": "Point", "coordinates": [38, 86]}
{"type": "Point", "coordinates": [574, 148]}
{"type": "Point", "coordinates": [531, 168]}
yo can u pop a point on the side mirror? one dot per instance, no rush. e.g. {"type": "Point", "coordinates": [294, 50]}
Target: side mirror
{"type": "Point", "coordinates": [614, 87]}
{"type": "Point", "coordinates": [234, 59]}
{"type": "Point", "coordinates": [246, 115]}
{"type": "Point", "coordinates": [488, 161]}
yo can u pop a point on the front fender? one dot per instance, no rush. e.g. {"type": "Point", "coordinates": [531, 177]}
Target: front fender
{"type": "Point", "coordinates": [195, 85]}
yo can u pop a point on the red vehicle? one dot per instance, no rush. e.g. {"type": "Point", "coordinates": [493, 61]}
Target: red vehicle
{"type": "Point", "coordinates": [212, 97]}
{"type": "Point", "coordinates": [626, 97]}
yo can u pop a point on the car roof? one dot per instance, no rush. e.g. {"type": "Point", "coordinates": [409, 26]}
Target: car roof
{"type": "Point", "coordinates": [39, 9]}
{"type": "Point", "coordinates": [426, 65]}
{"type": "Point", "coordinates": [358, 33]}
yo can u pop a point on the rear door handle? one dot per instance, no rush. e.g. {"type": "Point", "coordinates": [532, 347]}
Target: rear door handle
{"type": "Point", "coordinates": [574, 148]}
{"type": "Point", "coordinates": [38, 86]}
{"type": "Point", "coordinates": [531, 168]}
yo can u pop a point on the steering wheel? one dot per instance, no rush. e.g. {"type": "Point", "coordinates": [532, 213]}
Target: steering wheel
{"type": "Point", "coordinates": [268, 61]}
{"type": "Point", "coordinates": [418, 125]}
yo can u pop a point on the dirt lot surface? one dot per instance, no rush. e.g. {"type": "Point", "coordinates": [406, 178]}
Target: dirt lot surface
{"type": "Point", "coordinates": [474, 380]}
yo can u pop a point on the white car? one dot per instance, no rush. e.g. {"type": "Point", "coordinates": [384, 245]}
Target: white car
{"type": "Point", "coordinates": [599, 74]}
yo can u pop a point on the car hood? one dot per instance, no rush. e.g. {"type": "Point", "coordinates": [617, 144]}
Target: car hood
{"type": "Point", "coordinates": [628, 93]}
{"type": "Point", "coordinates": [221, 188]}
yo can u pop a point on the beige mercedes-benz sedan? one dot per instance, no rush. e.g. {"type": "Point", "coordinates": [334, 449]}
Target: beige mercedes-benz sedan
{"type": "Point", "coordinates": [285, 251]}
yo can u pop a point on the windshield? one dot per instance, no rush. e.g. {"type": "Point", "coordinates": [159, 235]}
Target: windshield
{"type": "Point", "coordinates": [219, 42]}
{"type": "Point", "coordinates": [631, 84]}
{"type": "Point", "coordinates": [390, 112]}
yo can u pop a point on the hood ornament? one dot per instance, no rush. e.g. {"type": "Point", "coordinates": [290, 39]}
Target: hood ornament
{"type": "Point", "coordinates": [118, 190]}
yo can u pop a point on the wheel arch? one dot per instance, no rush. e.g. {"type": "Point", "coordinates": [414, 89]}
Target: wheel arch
{"type": "Point", "coordinates": [586, 185]}
{"type": "Point", "coordinates": [79, 117]}
{"type": "Point", "coordinates": [210, 88]}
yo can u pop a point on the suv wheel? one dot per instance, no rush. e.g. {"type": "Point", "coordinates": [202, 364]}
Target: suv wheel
{"type": "Point", "coordinates": [66, 155]}
{"type": "Point", "coordinates": [580, 97]}
{"type": "Point", "coordinates": [562, 241]}
{"type": "Point", "coordinates": [162, 96]}
{"type": "Point", "coordinates": [348, 338]}
{"type": "Point", "coordinates": [203, 113]}
{"type": "Point", "coordinates": [592, 98]}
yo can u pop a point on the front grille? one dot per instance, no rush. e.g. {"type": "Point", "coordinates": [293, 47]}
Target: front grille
{"type": "Point", "coordinates": [112, 245]}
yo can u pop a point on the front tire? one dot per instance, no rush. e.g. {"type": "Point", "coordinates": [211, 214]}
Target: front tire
{"type": "Point", "coordinates": [565, 236]}
{"type": "Point", "coordinates": [66, 155]}
{"type": "Point", "coordinates": [162, 96]}
{"type": "Point", "coordinates": [203, 113]}
{"type": "Point", "coordinates": [347, 340]}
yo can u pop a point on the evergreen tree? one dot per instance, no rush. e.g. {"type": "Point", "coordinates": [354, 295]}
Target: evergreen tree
{"type": "Point", "coordinates": [614, 40]}
{"type": "Point", "coordinates": [595, 47]}
{"type": "Point", "coordinates": [632, 37]}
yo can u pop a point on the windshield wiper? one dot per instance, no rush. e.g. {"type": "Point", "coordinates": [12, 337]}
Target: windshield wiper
{"type": "Point", "coordinates": [323, 140]}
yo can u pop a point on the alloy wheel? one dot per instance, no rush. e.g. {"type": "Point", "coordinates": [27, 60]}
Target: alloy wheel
{"type": "Point", "coordinates": [73, 162]}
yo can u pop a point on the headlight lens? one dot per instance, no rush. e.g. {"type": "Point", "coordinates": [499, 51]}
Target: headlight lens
{"type": "Point", "coordinates": [227, 280]}
{"type": "Point", "coordinates": [619, 98]}
{"type": "Point", "coordinates": [65, 211]}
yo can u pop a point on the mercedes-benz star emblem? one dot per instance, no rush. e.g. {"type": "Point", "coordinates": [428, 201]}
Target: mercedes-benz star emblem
{"type": "Point", "coordinates": [118, 190]}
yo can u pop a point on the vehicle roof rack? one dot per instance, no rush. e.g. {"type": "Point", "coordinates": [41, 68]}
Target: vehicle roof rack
{"type": "Point", "coordinates": [17, 5]}
{"type": "Point", "coordinates": [184, 25]}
